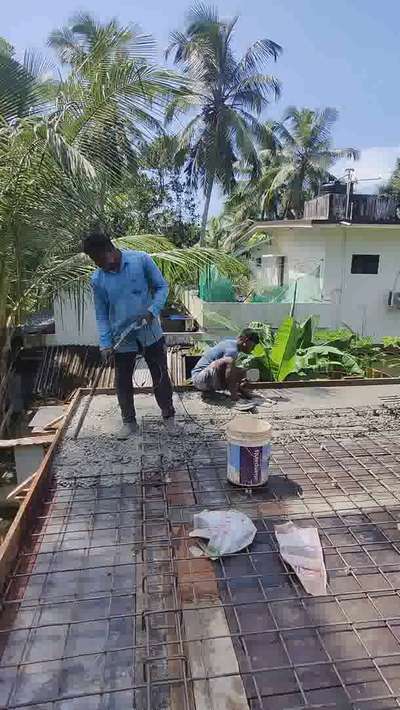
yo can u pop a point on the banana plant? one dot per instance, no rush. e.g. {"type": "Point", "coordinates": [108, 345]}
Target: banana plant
{"type": "Point", "coordinates": [324, 358]}
{"type": "Point", "coordinates": [283, 351]}
{"type": "Point", "coordinates": [294, 353]}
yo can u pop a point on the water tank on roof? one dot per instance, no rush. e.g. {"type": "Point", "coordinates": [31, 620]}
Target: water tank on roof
{"type": "Point", "coordinates": [333, 188]}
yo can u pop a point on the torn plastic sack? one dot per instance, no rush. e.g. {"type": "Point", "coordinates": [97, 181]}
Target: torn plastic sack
{"type": "Point", "coordinates": [301, 549]}
{"type": "Point", "coordinates": [228, 531]}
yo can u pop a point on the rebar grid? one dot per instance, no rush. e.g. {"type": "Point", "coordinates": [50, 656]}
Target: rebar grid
{"type": "Point", "coordinates": [99, 610]}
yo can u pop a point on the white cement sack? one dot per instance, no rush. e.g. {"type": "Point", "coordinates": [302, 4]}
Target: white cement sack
{"type": "Point", "coordinates": [301, 549]}
{"type": "Point", "coordinates": [228, 531]}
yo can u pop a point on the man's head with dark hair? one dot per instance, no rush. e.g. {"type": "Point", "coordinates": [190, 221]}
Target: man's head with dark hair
{"type": "Point", "coordinates": [99, 247]}
{"type": "Point", "coordinates": [247, 340]}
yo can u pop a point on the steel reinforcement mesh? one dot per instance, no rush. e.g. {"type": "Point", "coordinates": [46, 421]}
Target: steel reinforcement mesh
{"type": "Point", "coordinates": [109, 607]}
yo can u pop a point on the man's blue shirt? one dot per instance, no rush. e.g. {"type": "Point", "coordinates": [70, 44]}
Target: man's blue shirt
{"type": "Point", "coordinates": [121, 297]}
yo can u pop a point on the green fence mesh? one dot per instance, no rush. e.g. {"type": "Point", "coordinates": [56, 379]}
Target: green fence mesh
{"type": "Point", "coordinates": [214, 287]}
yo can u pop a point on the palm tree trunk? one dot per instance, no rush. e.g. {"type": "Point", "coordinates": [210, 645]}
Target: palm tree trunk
{"type": "Point", "coordinates": [205, 211]}
{"type": "Point", "coordinates": [4, 343]}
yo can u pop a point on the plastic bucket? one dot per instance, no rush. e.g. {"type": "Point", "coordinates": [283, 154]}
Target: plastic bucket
{"type": "Point", "coordinates": [249, 451]}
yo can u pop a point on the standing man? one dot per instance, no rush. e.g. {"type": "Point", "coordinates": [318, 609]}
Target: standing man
{"type": "Point", "coordinates": [129, 288]}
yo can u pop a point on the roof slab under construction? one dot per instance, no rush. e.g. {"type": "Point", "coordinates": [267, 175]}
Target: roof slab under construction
{"type": "Point", "coordinates": [108, 603]}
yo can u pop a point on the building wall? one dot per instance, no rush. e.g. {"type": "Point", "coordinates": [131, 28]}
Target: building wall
{"type": "Point", "coordinates": [304, 252]}
{"type": "Point", "coordinates": [358, 300]}
{"type": "Point", "coordinates": [241, 314]}
{"type": "Point", "coordinates": [361, 299]}
{"type": "Point", "coordinates": [71, 330]}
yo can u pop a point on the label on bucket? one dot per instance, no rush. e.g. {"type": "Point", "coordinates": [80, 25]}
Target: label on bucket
{"type": "Point", "coordinates": [248, 465]}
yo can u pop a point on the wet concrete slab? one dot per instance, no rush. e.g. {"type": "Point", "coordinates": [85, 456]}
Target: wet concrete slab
{"type": "Point", "coordinates": [95, 614]}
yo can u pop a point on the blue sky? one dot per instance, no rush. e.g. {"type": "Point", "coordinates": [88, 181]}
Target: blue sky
{"type": "Point", "coordinates": [343, 53]}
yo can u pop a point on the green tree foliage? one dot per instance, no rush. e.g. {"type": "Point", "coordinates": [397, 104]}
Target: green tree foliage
{"type": "Point", "coordinates": [296, 160]}
{"type": "Point", "coordinates": [67, 148]}
{"type": "Point", "coordinates": [392, 187]}
{"type": "Point", "coordinates": [224, 98]}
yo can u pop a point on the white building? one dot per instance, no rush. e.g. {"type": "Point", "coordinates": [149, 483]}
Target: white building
{"type": "Point", "coordinates": [347, 272]}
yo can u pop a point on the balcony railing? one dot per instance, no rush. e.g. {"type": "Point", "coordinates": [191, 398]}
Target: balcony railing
{"type": "Point", "coordinates": [362, 209]}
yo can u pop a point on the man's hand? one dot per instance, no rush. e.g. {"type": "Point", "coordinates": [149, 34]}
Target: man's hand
{"type": "Point", "coordinates": [227, 360]}
{"type": "Point", "coordinates": [106, 355]}
{"type": "Point", "coordinates": [146, 318]}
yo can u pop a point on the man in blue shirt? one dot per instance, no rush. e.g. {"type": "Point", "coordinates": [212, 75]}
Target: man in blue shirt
{"type": "Point", "coordinates": [129, 288]}
{"type": "Point", "coordinates": [216, 370]}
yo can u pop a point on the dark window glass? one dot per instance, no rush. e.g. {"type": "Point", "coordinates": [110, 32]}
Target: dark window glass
{"type": "Point", "coordinates": [365, 264]}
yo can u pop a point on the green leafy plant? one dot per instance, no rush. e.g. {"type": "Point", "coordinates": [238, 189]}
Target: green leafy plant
{"type": "Point", "coordinates": [391, 341]}
{"type": "Point", "coordinates": [294, 351]}
{"type": "Point", "coordinates": [264, 332]}
{"type": "Point", "coordinates": [283, 351]}
{"type": "Point", "coordinates": [199, 348]}
{"type": "Point", "coordinates": [259, 359]}
{"type": "Point", "coordinates": [306, 334]}
{"type": "Point", "coordinates": [338, 338]}
{"type": "Point", "coordinates": [324, 358]}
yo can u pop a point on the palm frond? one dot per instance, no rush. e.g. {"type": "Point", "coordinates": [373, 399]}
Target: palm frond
{"type": "Point", "coordinates": [201, 12]}
{"type": "Point", "coordinates": [63, 42]}
{"type": "Point", "coordinates": [70, 160]}
{"type": "Point", "coordinates": [182, 265]}
{"type": "Point", "coordinates": [255, 91]}
{"type": "Point", "coordinates": [20, 93]}
{"type": "Point", "coordinates": [228, 93]}
{"type": "Point", "coordinates": [6, 48]}
{"type": "Point", "coordinates": [258, 54]}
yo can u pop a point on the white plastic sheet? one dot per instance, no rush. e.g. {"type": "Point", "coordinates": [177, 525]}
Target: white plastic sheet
{"type": "Point", "coordinates": [228, 531]}
{"type": "Point", "coordinates": [301, 549]}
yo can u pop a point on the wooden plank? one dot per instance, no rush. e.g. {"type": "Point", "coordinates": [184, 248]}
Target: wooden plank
{"type": "Point", "coordinates": [21, 487]}
{"type": "Point", "coordinates": [214, 656]}
{"type": "Point", "coordinates": [38, 440]}
{"type": "Point", "coordinates": [350, 382]}
{"type": "Point", "coordinates": [207, 638]}
{"type": "Point", "coordinates": [22, 521]}
{"type": "Point", "coordinates": [54, 423]}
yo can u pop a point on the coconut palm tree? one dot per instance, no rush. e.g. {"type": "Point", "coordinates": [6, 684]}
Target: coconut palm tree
{"type": "Point", "coordinates": [303, 157]}
{"type": "Point", "coordinates": [85, 43]}
{"type": "Point", "coordinates": [252, 198]}
{"type": "Point", "coordinates": [296, 160]}
{"type": "Point", "coordinates": [224, 99]}
{"type": "Point", "coordinates": [52, 188]}
{"type": "Point", "coordinates": [55, 180]}
{"type": "Point", "coordinates": [115, 86]}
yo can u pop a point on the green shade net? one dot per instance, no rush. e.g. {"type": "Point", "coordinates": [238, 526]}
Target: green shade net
{"type": "Point", "coordinates": [214, 287]}
{"type": "Point", "coordinates": [308, 291]}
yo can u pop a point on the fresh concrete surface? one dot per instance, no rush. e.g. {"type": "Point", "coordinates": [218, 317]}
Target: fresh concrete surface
{"type": "Point", "coordinates": [103, 415]}
{"type": "Point", "coordinates": [97, 457]}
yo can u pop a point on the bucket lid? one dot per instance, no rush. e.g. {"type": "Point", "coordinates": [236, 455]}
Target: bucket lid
{"type": "Point", "coordinates": [249, 428]}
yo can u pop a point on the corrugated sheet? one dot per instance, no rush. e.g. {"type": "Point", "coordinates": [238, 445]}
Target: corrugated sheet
{"type": "Point", "coordinates": [63, 368]}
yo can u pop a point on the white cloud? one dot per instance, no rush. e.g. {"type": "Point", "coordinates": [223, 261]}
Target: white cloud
{"type": "Point", "coordinates": [375, 162]}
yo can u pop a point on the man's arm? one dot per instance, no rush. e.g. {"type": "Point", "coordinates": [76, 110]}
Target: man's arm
{"type": "Point", "coordinates": [157, 283]}
{"type": "Point", "coordinates": [102, 317]}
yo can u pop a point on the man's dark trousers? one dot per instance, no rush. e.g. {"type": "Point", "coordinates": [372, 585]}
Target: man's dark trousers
{"type": "Point", "coordinates": [155, 356]}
